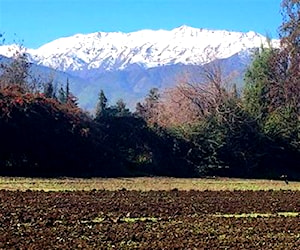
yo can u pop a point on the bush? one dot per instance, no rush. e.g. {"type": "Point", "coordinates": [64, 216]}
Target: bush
{"type": "Point", "coordinates": [40, 136]}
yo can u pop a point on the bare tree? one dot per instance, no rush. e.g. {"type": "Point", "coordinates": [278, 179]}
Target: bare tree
{"type": "Point", "coordinates": [16, 72]}
{"type": "Point", "coordinates": [193, 100]}
{"type": "Point", "coordinates": [290, 55]}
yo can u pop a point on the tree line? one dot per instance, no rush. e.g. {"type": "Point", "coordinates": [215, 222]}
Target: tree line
{"type": "Point", "coordinates": [194, 129]}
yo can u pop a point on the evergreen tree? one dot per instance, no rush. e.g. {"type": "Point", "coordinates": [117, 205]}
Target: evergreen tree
{"type": "Point", "coordinates": [62, 96]}
{"type": "Point", "coordinates": [153, 97]}
{"type": "Point", "coordinates": [68, 90]}
{"type": "Point", "coordinates": [149, 109]}
{"type": "Point", "coordinates": [101, 107]}
{"type": "Point", "coordinates": [49, 91]}
{"type": "Point", "coordinates": [121, 108]}
{"type": "Point", "coordinates": [140, 110]}
{"type": "Point", "coordinates": [257, 77]}
{"type": "Point", "coordinates": [234, 91]}
{"type": "Point", "coordinates": [272, 93]}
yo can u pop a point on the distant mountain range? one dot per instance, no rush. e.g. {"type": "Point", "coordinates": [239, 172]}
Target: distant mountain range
{"type": "Point", "coordinates": [127, 65]}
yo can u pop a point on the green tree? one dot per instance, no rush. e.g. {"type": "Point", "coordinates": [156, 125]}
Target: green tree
{"type": "Point", "coordinates": [49, 90]}
{"type": "Point", "coordinates": [257, 79]}
{"type": "Point", "coordinates": [101, 107]}
{"type": "Point", "coordinates": [149, 109]}
{"type": "Point", "coordinates": [62, 96]}
{"type": "Point", "coordinates": [121, 108]}
{"type": "Point", "coordinates": [272, 93]}
{"type": "Point", "coordinates": [140, 110]}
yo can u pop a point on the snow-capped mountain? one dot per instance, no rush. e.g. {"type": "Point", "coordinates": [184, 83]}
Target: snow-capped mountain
{"type": "Point", "coordinates": [134, 62]}
{"type": "Point", "coordinates": [147, 48]}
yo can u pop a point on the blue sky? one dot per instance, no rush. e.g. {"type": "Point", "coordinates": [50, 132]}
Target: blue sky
{"type": "Point", "coordinates": [40, 21]}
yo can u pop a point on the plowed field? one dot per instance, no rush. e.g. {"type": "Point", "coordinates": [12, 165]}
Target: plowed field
{"type": "Point", "coordinates": [150, 220]}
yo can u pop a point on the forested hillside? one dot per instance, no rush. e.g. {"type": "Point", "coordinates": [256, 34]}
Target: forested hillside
{"type": "Point", "coordinates": [194, 129]}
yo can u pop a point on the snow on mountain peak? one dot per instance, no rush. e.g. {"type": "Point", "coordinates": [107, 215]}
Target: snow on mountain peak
{"type": "Point", "coordinates": [147, 48]}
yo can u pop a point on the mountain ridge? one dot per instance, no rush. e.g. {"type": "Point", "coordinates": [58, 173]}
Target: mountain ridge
{"type": "Point", "coordinates": [127, 65]}
{"type": "Point", "coordinates": [110, 51]}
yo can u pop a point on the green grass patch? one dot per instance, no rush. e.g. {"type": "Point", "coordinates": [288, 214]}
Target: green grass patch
{"type": "Point", "coordinates": [98, 220]}
{"type": "Point", "coordinates": [139, 219]}
{"type": "Point", "coordinates": [256, 215]}
{"type": "Point", "coordinates": [120, 219]}
{"type": "Point", "coordinates": [143, 184]}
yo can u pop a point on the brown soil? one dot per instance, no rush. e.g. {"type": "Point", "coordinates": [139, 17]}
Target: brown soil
{"type": "Point", "coordinates": [148, 220]}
